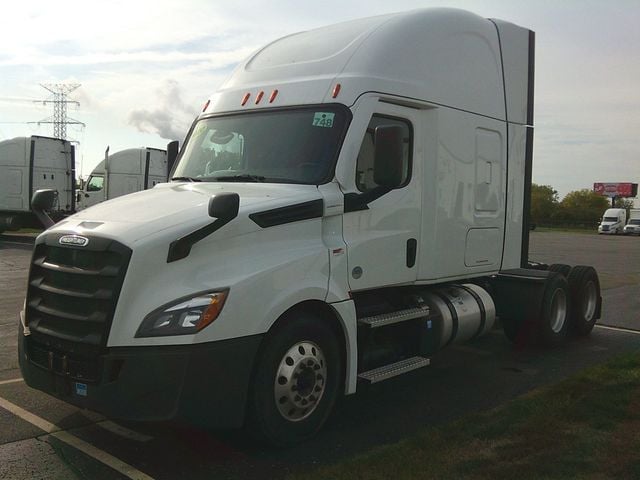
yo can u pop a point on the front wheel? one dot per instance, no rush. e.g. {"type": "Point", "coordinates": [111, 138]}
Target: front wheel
{"type": "Point", "coordinates": [296, 381]}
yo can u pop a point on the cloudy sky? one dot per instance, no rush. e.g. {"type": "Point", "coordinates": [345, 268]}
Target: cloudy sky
{"type": "Point", "coordinates": [146, 68]}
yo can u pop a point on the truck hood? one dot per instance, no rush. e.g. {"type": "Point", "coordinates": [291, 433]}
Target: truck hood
{"type": "Point", "coordinates": [170, 205]}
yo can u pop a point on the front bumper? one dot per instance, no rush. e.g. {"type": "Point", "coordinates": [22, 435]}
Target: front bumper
{"type": "Point", "coordinates": [201, 384]}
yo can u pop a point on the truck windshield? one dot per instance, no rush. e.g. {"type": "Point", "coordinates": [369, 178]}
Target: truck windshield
{"type": "Point", "coordinates": [610, 219]}
{"type": "Point", "coordinates": [285, 146]}
{"type": "Point", "coordinates": [634, 222]}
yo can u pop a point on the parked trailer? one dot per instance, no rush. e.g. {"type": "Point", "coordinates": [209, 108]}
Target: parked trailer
{"type": "Point", "coordinates": [128, 171]}
{"type": "Point", "coordinates": [353, 199]}
{"type": "Point", "coordinates": [28, 164]}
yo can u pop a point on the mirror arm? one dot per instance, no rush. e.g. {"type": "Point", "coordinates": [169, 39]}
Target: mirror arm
{"type": "Point", "coordinates": [181, 248]}
{"type": "Point", "coordinates": [354, 202]}
{"type": "Point", "coordinates": [224, 206]}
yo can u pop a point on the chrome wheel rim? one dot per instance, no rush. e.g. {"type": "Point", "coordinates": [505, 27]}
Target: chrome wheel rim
{"type": "Point", "coordinates": [558, 310]}
{"type": "Point", "coordinates": [300, 381]}
{"type": "Point", "coordinates": [590, 301]}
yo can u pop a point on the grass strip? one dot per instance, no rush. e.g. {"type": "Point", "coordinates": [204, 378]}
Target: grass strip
{"type": "Point", "coordinates": [586, 427]}
{"type": "Point", "coordinates": [586, 231]}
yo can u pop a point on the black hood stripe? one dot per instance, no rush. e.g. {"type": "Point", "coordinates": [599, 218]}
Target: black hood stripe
{"type": "Point", "coordinates": [289, 214]}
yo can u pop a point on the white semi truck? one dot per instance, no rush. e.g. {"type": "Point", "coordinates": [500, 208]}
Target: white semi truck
{"type": "Point", "coordinates": [127, 171]}
{"type": "Point", "coordinates": [28, 164]}
{"type": "Point", "coordinates": [613, 221]}
{"type": "Point", "coordinates": [353, 199]}
{"type": "Point", "coordinates": [633, 227]}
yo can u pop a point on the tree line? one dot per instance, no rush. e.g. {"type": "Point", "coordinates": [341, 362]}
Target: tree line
{"type": "Point", "coordinates": [580, 208]}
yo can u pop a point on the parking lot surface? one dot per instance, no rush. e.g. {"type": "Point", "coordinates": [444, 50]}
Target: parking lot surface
{"type": "Point", "coordinates": [42, 437]}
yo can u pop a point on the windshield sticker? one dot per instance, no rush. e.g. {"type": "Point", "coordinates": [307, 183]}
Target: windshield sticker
{"type": "Point", "coordinates": [323, 119]}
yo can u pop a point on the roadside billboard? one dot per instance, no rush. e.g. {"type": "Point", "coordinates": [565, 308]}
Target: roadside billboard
{"type": "Point", "coordinates": [616, 189]}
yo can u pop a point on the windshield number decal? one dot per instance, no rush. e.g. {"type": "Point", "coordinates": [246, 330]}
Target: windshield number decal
{"type": "Point", "coordinates": [323, 119]}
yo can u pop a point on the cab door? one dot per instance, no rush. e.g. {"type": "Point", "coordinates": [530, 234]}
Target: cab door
{"type": "Point", "coordinates": [381, 228]}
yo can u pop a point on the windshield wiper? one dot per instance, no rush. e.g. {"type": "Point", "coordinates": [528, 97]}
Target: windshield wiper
{"type": "Point", "coordinates": [241, 178]}
{"type": "Point", "coordinates": [185, 179]}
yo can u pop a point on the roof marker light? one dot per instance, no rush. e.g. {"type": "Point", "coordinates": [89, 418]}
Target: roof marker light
{"type": "Point", "coordinates": [245, 99]}
{"type": "Point", "coordinates": [206, 105]}
{"type": "Point", "coordinates": [336, 90]}
{"type": "Point", "coordinates": [259, 97]}
{"type": "Point", "coordinates": [273, 96]}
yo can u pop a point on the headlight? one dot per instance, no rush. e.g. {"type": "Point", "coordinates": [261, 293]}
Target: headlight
{"type": "Point", "coordinates": [184, 317]}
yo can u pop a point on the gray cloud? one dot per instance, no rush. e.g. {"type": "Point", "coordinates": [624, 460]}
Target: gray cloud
{"type": "Point", "coordinates": [170, 120]}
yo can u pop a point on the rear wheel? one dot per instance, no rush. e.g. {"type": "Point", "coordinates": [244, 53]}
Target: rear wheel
{"type": "Point", "coordinates": [584, 287]}
{"type": "Point", "coordinates": [554, 316]}
{"type": "Point", "coordinates": [296, 381]}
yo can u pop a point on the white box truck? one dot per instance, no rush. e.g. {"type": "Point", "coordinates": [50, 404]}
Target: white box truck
{"type": "Point", "coordinates": [613, 221]}
{"type": "Point", "coordinates": [128, 171]}
{"type": "Point", "coordinates": [633, 227]}
{"type": "Point", "coordinates": [353, 199]}
{"type": "Point", "coordinates": [31, 163]}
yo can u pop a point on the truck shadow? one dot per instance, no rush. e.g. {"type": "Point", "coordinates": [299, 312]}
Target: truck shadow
{"type": "Point", "coordinates": [475, 377]}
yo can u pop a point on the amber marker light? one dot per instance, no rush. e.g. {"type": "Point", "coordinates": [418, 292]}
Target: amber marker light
{"type": "Point", "coordinates": [273, 96]}
{"type": "Point", "coordinates": [336, 90]}
{"type": "Point", "coordinates": [206, 105]}
{"type": "Point", "coordinates": [245, 99]}
{"type": "Point", "coordinates": [259, 97]}
{"type": "Point", "coordinates": [212, 311]}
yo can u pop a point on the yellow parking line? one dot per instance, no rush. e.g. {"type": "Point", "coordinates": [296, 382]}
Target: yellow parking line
{"type": "Point", "coordinates": [619, 329]}
{"type": "Point", "coordinates": [77, 443]}
{"type": "Point", "coordinates": [13, 380]}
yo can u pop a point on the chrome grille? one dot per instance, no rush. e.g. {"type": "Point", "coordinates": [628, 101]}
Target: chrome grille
{"type": "Point", "coordinates": [73, 292]}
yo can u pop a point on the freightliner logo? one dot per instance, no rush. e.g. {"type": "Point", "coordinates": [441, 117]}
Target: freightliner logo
{"type": "Point", "coordinates": [75, 240]}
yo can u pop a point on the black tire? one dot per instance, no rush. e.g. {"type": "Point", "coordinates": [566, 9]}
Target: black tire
{"type": "Point", "coordinates": [290, 366]}
{"type": "Point", "coordinates": [560, 268]}
{"type": "Point", "coordinates": [554, 320]}
{"type": "Point", "coordinates": [584, 288]}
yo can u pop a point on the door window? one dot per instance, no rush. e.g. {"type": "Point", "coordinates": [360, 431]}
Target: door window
{"type": "Point", "coordinates": [95, 184]}
{"type": "Point", "coordinates": [365, 173]}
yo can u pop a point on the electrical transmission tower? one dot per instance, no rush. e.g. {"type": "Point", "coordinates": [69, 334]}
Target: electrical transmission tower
{"type": "Point", "coordinates": [60, 101]}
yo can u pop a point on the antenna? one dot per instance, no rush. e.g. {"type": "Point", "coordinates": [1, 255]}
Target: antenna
{"type": "Point", "coordinates": [59, 119]}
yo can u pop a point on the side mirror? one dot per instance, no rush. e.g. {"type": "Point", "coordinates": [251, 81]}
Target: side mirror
{"type": "Point", "coordinates": [41, 202]}
{"type": "Point", "coordinates": [388, 162]}
{"type": "Point", "coordinates": [172, 155]}
{"type": "Point", "coordinates": [224, 206]}
{"type": "Point", "coordinates": [43, 199]}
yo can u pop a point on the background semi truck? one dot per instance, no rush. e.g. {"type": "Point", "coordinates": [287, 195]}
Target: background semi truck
{"type": "Point", "coordinates": [613, 221]}
{"type": "Point", "coordinates": [353, 199]}
{"type": "Point", "coordinates": [31, 163]}
{"type": "Point", "coordinates": [127, 171]}
{"type": "Point", "coordinates": [633, 227]}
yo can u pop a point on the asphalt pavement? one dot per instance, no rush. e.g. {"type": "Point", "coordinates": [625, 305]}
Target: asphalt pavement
{"type": "Point", "coordinates": [42, 437]}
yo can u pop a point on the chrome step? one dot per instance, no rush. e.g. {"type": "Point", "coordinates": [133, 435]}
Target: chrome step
{"type": "Point", "coordinates": [394, 317]}
{"type": "Point", "coordinates": [393, 369]}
